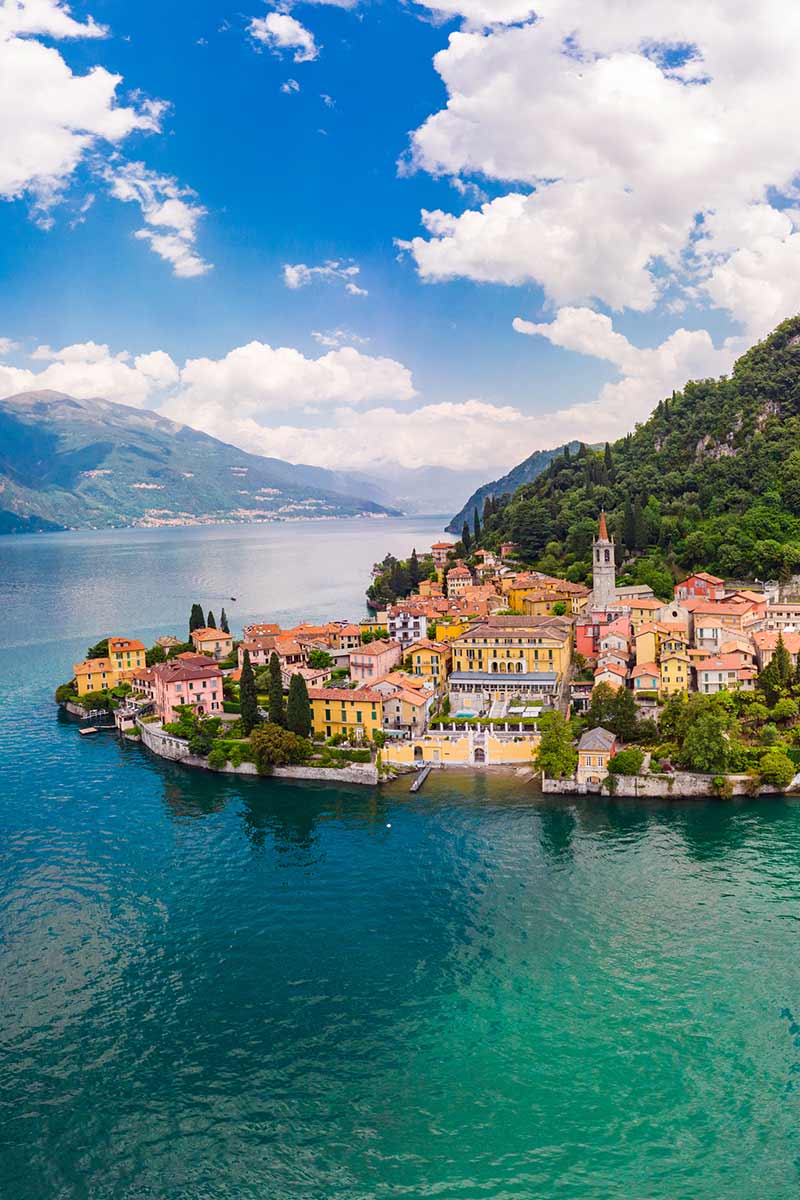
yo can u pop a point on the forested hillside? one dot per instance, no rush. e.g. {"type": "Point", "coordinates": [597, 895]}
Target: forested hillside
{"type": "Point", "coordinates": [711, 480]}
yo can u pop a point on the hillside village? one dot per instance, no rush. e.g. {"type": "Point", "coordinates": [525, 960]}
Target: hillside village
{"type": "Point", "coordinates": [482, 663]}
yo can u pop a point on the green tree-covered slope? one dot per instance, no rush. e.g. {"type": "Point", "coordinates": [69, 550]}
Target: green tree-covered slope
{"type": "Point", "coordinates": [93, 464]}
{"type": "Point", "coordinates": [711, 480]}
{"type": "Point", "coordinates": [525, 472]}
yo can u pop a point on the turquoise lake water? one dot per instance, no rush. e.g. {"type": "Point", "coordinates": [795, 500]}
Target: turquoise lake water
{"type": "Point", "coordinates": [251, 990]}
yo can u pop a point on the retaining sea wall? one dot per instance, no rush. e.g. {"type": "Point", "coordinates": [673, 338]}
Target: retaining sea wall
{"type": "Point", "coordinates": [679, 786]}
{"type": "Point", "coordinates": [177, 750]}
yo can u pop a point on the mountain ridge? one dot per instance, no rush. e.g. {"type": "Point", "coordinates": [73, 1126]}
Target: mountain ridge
{"type": "Point", "coordinates": [525, 472]}
{"type": "Point", "coordinates": [84, 463]}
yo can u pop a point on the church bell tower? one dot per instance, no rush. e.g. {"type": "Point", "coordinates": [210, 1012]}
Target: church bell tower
{"type": "Point", "coordinates": [604, 572]}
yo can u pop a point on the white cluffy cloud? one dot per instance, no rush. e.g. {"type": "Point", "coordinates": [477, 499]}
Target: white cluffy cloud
{"type": "Point", "coordinates": [52, 121]}
{"type": "Point", "coordinates": [640, 148]}
{"type": "Point", "coordinates": [299, 275]}
{"type": "Point", "coordinates": [351, 409]}
{"type": "Point", "coordinates": [171, 216]}
{"type": "Point", "coordinates": [279, 31]}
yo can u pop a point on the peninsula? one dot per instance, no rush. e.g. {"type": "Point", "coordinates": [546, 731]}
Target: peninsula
{"type": "Point", "coordinates": [476, 661]}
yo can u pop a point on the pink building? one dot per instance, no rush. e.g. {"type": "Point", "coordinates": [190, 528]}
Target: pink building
{"type": "Point", "coordinates": [439, 553]}
{"type": "Point", "coordinates": [178, 683]}
{"type": "Point", "coordinates": [374, 660]}
{"type": "Point", "coordinates": [261, 649]}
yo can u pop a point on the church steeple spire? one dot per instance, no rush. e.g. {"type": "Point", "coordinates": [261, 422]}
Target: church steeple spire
{"type": "Point", "coordinates": [604, 581]}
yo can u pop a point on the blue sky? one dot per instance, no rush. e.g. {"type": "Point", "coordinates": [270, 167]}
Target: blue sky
{"type": "Point", "coordinates": [572, 167]}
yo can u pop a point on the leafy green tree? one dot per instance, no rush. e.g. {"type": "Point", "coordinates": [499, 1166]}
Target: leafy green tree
{"type": "Point", "coordinates": [531, 529]}
{"type": "Point", "coordinates": [274, 746]}
{"type": "Point", "coordinates": [777, 768]}
{"type": "Point", "coordinates": [298, 707]}
{"type": "Point", "coordinates": [778, 675]}
{"type": "Point", "coordinates": [248, 699]}
{"type": "Point", "coordinates": [624, 716]}
{"type": "Point", "coordinates": [556, 755]}
{"type": "Point", "coordinates": [223, 622]}
{"type": "Point", "coordinates": [277, 712]}
{"type": "Point", "coordinates": [196, 619]}
{"type": "Point", "coordinates": [320, 660]}
{"type": "Point", "coordinates": [707, 744]}
{"type": "Point", "coordinates": [600, 712]}
{"type": "Point", "coordinates": [210, 622]}
{"type": "Point", "coordinates": [99, 650]}
{"type": "Point", "coordinates": [156, 654]}
{"type": "Point", "coordinates": [559, 609]}
{"type": "Point", "coordinates": [785, 710]}
{"type": "Point", "coordinates": [629, 526]}
{"type": "Point", "coordinates": [672, 722]}
{"type": "Point", "coordinates": [626, 762]}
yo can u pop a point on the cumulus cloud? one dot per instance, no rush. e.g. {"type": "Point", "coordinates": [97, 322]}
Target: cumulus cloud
{"type": "Point", "coordinates": [627, 138]}
{"type": "Point", "coordinates": [334, 338]}
{"type": "Point", "coordinates": [299, 275]}
{"type": "Point", "coordinates": [52, 120]}
{"type": "Point", "coordinates": [281, 32]}
{"type": "Point", "coordinates": [647, 375]}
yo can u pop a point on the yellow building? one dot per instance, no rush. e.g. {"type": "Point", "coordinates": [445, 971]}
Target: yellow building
{"type": "Point", "coordinates": [126, 656]}
{"type": "Point", "coordinates": [643, 610]}
{"type": "Point", "coordinates": [353, 714]}
{"type": "Point", "coordinates": [648, 641]}
{"type": "Point", "coordinates": [676, 672]}
{"type": "Point", "coordinates": [94, 675]}
{"type": "Point", "coordinates": [518, 645]}
{"type": "Point", "coordinates": [468, 748]}
{"type": "Point", "coordinates": [431, 660]}
{"type": "Point", "coordinates": [448, 631]}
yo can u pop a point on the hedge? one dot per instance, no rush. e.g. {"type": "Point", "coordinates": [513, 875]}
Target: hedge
{"type": "Point", "coordinates": [231, 706]}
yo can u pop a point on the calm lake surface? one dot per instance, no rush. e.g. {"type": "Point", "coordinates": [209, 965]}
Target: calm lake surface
{"type": "Point", "coordinates": [251, 990]}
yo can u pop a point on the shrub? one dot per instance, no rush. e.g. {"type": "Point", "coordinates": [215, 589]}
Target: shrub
{"type": "Point", "coordinates": [769, 735]}
{"type": "Point", "coordinates": [274, 746]}
{"type": "Point", "coordinates": [722, 787]}
{"type": "Point", "coordinates": [777, 769]}
{"type": "Point", "coordinates": [231, 706]}
{"type": "Point", "coordinates": [217, 759]}
{"type": "Point", "coordinates": [626, 762]}
{"type": "Point", "coordinates": [65, 692]}
{"type": "Point", "coordinates": [785, 710]}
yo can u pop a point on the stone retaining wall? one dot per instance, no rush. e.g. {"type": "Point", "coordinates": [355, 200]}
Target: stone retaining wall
{"type": "Point", "coordinates": [679, 786]}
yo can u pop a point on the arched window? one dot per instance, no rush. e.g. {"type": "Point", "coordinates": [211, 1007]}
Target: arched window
{"type": "Point", "coordinates": [608, 555]}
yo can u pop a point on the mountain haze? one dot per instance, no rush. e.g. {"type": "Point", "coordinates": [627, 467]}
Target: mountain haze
{"type": "Point", "coordinates": [68, 463]}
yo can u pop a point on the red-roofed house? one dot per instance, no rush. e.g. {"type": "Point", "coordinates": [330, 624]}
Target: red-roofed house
{"type": "Point", "coordinates": [612, 674]}
{"type": "Point", "coordinates": [374, 660]}
{"type": "Point", "coordinates": [646, 678]}
{"type": "Point", "coordinates": [177, 683]}
{"type": "Point", "coordinates": [724, 673]}
{"type": "Point", "coordinates": [700, 586]}
{"type": "Point", "coordinates": [212, 641]}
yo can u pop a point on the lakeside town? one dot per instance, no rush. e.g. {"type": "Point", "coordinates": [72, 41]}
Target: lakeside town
{"type": "Point", "coordinates": [482, 664]}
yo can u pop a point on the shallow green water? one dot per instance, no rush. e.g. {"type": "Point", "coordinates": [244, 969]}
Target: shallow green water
{"type": "Point", "coordinates": [247, 989]}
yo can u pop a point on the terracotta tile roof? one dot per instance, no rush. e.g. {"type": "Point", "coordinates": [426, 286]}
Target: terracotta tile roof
{"type": "Point", "coordinates": [210, 635]}
{"type": "Point", "coordinates": [118, 644]}
{"type": "Point", "coordinates": [645, 669]}
{"type": "Point", "coordinates": [90, 665]}
{"type": "Point", "coordinates": [702, 575]}
{"type": "Point", "coordinates": [614, 669]}
{"type": "Point", "coordinates": [720, 662]}
{"type": "Point", "coordinates": [767, 639]}
{"type": "Point", "coordinates": [427, 644]}
{"type": "Point", "coordinates": [373, 649]}
{"type": "Point", "coordinates": [177, 672]}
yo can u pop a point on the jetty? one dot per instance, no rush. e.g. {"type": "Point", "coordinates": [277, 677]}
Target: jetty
{"type": "Point", "coordinates": [421, 777]}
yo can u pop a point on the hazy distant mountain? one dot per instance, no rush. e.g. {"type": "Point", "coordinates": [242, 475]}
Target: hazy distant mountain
{"type": "Point", "coordinates": [526, 472]}
{"type": "Point", "coordinates": [67, 463]}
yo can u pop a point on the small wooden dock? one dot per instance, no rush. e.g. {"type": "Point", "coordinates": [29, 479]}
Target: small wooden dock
{"type": "Point", "coordinates": [420, 780]}
{"type": "Point", "coordinates": [89, 729]}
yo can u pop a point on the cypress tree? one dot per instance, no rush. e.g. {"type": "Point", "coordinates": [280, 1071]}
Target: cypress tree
{"type": "Point", "coordinates": [566, 453]}
{"type": "Point", "coordinates": [210, 622]}
{"type": "Point", "coordinates": [196, 619]}
{"type": "Point", "coordinates": [783, 664]}
{"type": "Point", "coordinates": [476, 527]}
{"type": "Point", "coordinates": [223, 622]}
{"type": "Point", "coordinates": [487, 509]}
{"type": "Point", "coordinates": [248, 699]}
{"type": "Point", "coordinates": [298, 708]}
{"type": "Point", "coordinates": [639, 525]}
{"type": "Point", "coordinates": [608, 457]}
{"type": "Point", "coordinates": [629, 526]}
{"type": "Point", "coordinates": [277, 713]}
{"type": "Point", "coordinates": [413, 570]}
{"type": "Point", "coordinates": [465, 537]}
